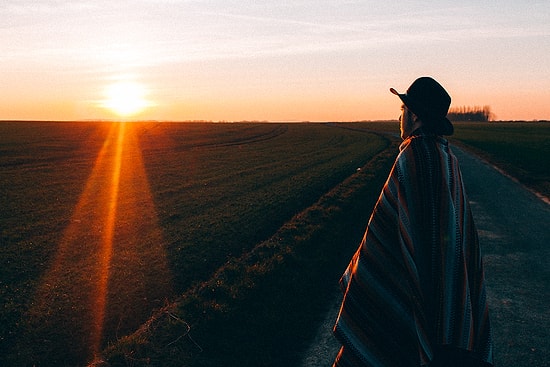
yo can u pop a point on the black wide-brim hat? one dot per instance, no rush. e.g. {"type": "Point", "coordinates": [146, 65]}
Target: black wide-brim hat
{"type": "Point", "coordinates": [428, 100]}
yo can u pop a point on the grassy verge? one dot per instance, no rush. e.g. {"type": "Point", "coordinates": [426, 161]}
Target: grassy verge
{"type": "Point", "coordinates": [262, 308]}
{"type": "Point", "coordinates": [520, 149]}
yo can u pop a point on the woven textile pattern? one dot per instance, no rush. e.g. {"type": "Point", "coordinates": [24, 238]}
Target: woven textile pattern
{"type": "Point", "coordinates": [416, 282]}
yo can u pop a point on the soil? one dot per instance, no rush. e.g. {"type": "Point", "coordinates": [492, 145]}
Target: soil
{"type": "Point", "coordinates": [513, 228]}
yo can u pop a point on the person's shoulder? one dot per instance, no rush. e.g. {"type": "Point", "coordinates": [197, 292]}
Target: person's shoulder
{"type": "Point", "coordinates": [423, 141]}
{"type": "Point", "coordinates": [408, 152]}
{"type": "Point", "coordinates": [420, 147]}
{"type": "Point", "coordinates": [413, 143]}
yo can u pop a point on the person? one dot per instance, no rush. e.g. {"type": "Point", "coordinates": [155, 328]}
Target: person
{"type": "Point", "coordinates": [414, 292]}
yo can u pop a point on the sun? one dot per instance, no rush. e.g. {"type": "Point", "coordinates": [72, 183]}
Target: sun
{"type": "Point", "coordinates": [125, 98]}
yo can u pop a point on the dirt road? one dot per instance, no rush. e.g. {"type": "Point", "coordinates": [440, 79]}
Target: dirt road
{"type": "Point", "coordinates": [514, 231]}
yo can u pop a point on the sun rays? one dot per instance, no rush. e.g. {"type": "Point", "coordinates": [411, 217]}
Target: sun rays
{"type": "Point", "coordinates": [110, 269]}
{"type": "Point", "coordinates": [106, 251]}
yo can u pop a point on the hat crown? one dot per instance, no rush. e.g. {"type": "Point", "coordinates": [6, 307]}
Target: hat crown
{"type": "Point", "coordinates": [429, 98]}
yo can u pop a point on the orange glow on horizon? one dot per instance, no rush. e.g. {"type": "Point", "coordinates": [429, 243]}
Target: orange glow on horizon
{"type": "Point", "coordinates": [263, 65]}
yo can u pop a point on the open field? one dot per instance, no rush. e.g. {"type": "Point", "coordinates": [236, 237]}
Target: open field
{"type": "Point", "coordinates": [102, 223]}
{"type": "Point", "coordinates": [229, 327]}
{"type": "Point", "coordinates": [181, 244]}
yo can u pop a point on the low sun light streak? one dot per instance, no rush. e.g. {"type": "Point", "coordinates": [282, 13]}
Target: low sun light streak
{"type": "Point", "coordinates": [106, 251]}
{"type": "Point", "coordinates": [110, 266]}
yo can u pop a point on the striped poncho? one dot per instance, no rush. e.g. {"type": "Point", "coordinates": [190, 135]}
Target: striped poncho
{"type": "Point", "coordinates": [416, 282]}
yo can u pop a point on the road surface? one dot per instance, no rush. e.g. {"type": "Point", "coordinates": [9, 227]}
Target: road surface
{"type": "Point", "coordinates": [513, 225]}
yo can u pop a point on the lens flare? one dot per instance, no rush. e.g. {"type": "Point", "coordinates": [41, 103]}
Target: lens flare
{"type": "Point", "coordinates": [126, 98]}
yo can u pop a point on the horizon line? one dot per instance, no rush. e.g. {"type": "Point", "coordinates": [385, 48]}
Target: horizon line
{"type": "Point", "coordinates": [245, 121]}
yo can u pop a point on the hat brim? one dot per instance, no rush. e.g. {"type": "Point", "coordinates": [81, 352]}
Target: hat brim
{"type": "Point", "coordinates": [441, 126]}
{"type": "Point", "coordinates": [407, 102]}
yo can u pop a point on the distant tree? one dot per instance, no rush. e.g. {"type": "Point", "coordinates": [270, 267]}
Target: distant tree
{"type": "Point", "coordinates": [474, 114]}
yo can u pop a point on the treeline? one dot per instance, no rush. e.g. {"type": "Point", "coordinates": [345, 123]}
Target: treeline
{"type": "Point", "coordinates": [466, 113]}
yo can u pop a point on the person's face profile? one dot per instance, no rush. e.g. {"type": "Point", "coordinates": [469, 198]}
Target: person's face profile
{"type": "Point", "coordinates": [405, 122]}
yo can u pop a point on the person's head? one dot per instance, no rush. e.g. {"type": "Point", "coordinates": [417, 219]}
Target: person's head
{"type": "Point", "coordinates": [425, 105]}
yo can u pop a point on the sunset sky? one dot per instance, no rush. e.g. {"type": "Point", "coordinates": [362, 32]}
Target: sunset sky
{"type": "Point", "coordinates": [277, 60]}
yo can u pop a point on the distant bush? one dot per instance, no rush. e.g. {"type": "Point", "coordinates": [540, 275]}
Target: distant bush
{"type": "Point", "coordinates": [474, 114]}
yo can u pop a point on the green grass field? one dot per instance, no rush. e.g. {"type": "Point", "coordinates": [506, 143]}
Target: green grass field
{"type": "Point", "coordinates": [201, 244]}
{"type": "Point", "coordinates": [102, 225]}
